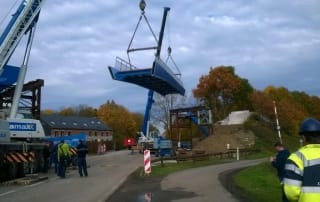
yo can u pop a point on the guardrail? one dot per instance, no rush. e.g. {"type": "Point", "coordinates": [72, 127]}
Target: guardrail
{"type": "Point", "coordinates": [123, 65]}
{"type": "Point", "coordinates": [198, 155]}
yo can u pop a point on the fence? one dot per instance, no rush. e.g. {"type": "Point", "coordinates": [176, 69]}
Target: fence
{"type": "Point", "coordinates": [197, 155]}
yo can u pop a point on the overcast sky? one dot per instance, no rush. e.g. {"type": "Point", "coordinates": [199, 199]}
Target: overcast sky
{"type": "Point", "coordinates": [268, 42]}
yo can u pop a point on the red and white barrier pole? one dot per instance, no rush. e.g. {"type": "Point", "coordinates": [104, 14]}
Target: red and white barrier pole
{"type": "Point", "coordinates": [147, 161]}
{"type": "Point", "coordinates": [148, 197]}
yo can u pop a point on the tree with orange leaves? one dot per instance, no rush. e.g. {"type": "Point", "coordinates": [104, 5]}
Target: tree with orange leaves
{"type": "Point", "coordinates": [119, 119]}
{"type": "Point", "coordinates": [223, 91]}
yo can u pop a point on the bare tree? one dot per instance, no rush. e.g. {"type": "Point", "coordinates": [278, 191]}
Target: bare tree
{"type": "Point", "coordinates": [160, 114]}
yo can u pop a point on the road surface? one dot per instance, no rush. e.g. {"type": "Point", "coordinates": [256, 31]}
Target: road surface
{"type": "Point", "coordinates": [203, 182]}
{"type": "Point", "coordinates": [106, 174]}
{"type": "Point", "coordinates": [193, 185]}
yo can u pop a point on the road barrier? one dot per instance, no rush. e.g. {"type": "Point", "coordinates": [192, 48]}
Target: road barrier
{"type": "Point", "coordinates": [73, 151]}
{"type": "Point", "coordinates": [148, 197]}
{"type": "Point", "coordinates": [19, 157]}
{"type": "Point", "coordinates": [147, 161]}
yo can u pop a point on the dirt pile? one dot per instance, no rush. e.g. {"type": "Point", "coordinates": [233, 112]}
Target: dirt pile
{"type": "Point", "coordinates": [224, 135]}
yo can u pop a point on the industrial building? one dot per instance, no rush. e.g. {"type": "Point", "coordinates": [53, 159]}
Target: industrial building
{"type": "Point", "coordinates": [58, 125]}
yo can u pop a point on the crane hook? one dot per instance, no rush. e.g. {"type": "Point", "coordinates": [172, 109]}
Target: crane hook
{"type": "Point", "coordinates": [169, 51]}
{"type": "Point", "coordinates": [142, 5]}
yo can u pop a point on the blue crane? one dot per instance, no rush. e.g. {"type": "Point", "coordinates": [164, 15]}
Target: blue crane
{"type": "Point", "coordinates": [159, 78]}
{"type": "Point", "coordinates": [194, 118]}
{"type": "Point", "coordinates": [22, 22]}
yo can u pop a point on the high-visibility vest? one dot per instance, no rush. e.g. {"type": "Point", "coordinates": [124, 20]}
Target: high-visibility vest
{"type": "Point", "coordinates": [302, 178]}
{"type": "Point", "coordinates": [63, 150]}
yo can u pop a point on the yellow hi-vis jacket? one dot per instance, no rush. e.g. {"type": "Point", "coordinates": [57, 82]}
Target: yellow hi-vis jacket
{"type": "Point", "coordinates": [302, 178]}
{"type": "Point", "coordinates": [63, 151]}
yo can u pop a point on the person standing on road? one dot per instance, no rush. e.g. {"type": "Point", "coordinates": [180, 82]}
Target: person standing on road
{"type": "Point", "coordinates": [54, 157]}
{"type": "Point", "coordinates": [302, 176]}
{"type": "Point", "coordinates": [279, 163]}
{"type": "Point", "coordinates": [82, 151]}
{"type": "Point", "coordinates": [63, 158]}
{"type": "Point", "coordinates": [46, 157]}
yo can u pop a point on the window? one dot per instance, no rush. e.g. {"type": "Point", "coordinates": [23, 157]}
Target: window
{"type": "Point", "coordinates": [85, 124]}
{"type": "Point", "coordinates": [62, 133]}
{"type": "Point", "coordinates": [69, 133]}
{"type": "Point", "coordinates": [75, 124]}
{"type": "Point", "coordinates": [95, 133]}
{"type": "Point", "coordinates": [64, 123]}
{"type": "Point", "coordinates": [56, 133]}
{"type": "Point", "coordinates": [90, 133]}
{"type": "Point", "coordinates": [52, 122]}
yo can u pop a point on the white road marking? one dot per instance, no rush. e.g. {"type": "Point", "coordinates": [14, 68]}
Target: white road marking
{"type": "Point", "coordinates": [35, 184]}
{"type": "Point", "coordinates": [8, 192]}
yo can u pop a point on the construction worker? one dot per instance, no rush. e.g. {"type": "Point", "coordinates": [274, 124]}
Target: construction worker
{"type": "Point", "coordinates": [46, 157]}
{"type": "Point", "coordinates": [54, 157]}
{"type": "Point", "coordinates": [63, 158]}
{"type": "Point", "coordinates": [302, 177]}
{"type": "Point", "coordinates": [82, 151]}
{"type": "Point", "coordinates": [279, 162]}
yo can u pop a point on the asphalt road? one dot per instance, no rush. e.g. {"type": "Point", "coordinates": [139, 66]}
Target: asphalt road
{"type": "Point", "coordinates": [106, 174]}
{"type": "Point", "coordinates": [203, 182]}
{"type": "Point", "coordinates": [193, 185]}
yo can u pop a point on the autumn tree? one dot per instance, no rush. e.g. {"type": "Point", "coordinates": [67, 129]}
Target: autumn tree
{"type": "Point", "coordinates": [292, 107]}
{"type": "Point", "coordinates": [68, 111]}
{"type": "Point", "coordinates": [48, 112]}
{"type": "Point", "coordinates": [85, 111]}
{"type": "Point", "coordinates": [79, 110]}
{"type": "Point", "coordinates": [119, 119]}
{"type": "Point", "coordinates": [290, 112]}
{"type": "Point", "coordinates": [310, 103]}
{"type": "Point", "coordinates": [138, 118]}
{"type": "Point", "coordinates": [262, 104]}
{"type": "Point", "coordinates": [223, 91]}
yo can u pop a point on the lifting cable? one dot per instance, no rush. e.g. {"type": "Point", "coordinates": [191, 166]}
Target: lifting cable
{"type": "Point", "coordinates": [178, 74]}
{"type": "Point", "coordinates": [142, 6]}
{"type": "Point", "coordinates": [8, 13]}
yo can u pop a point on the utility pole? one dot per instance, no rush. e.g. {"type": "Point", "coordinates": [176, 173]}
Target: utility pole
{"type": "Point", "coordinates": [277, 121]}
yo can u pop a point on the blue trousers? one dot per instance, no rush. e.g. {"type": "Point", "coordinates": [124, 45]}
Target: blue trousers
{"type": "Point", "coordinates": [62, 167]}
{"type": "Point", "coordinates": [82, 166]}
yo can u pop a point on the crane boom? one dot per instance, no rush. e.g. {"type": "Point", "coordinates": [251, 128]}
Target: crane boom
{"type": "Point", "coordinates": [20, 23]}
{"type": "Point", "coordinates": [145, 126]}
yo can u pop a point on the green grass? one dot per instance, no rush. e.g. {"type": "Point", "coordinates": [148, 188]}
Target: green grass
{"type": "Point", "coordinates": [259, 183]}
{"type": "Point", "coordinates": [158, 171]}
{"type": "Point", "coordinates": [266, 137]}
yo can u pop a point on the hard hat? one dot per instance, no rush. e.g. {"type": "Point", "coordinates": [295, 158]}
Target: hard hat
{"type": "Point", "coordinates": [310, 126]}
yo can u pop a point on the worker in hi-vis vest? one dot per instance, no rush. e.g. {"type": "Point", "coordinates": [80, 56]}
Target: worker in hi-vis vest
{"type": "Point", "coordinates": [302, 170]}
{"type": "Point", "coordinates": [63, 158]}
